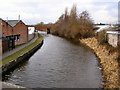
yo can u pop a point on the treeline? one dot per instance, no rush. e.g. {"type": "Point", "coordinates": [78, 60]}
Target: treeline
{"type": "Point", "coordinates": [74, 25]}
{"type": "Point", "coordinates": [41, 24]}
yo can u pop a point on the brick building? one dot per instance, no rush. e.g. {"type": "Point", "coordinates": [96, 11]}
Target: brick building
{"type": "Point", "coordinates": [15, 31]}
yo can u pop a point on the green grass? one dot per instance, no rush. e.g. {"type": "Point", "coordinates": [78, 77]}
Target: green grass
{"type": "Point", "coordinates": [22, 51]}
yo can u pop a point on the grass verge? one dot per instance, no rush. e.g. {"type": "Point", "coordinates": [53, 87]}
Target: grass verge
{"type": "Point", "coordinates": [22, 51]}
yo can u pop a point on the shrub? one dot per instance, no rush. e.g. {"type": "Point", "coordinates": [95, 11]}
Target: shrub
{"type": "Point", "coordinates": [119, 52]}
{"type": "Point", "coordinates": [73, 25]}
{"type": "Point", "coordinates": [96, 28]}
{"type": "Point", "coordinates": [102, 37]}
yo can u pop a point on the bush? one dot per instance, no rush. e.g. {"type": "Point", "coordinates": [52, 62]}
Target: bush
{"type": "Point", "coordinates": [73, 25]}
{"type": "Point", "coordinates": [102, 37]}
{"type": "Point", "coordinates": [96, 28]}
{"type": "Point", "coordinates": [119, 52]}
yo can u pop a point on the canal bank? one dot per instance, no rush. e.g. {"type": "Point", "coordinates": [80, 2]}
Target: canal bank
{"type": "Point", "coordinates": [7, 86]}
{"type": "Point", "coordinates": [58, 64]}
{"type": "Point", "coordinates": [109, 64]}
{"type": "Point", "coordinates": [12, 64]}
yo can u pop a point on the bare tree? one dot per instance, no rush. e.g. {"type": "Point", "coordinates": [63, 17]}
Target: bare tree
{"type": "Point", "coordinates": [72, 26]}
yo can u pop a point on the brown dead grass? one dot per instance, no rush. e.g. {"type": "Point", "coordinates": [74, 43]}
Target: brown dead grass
{"type": "Point", "coordinates": [109, 62]}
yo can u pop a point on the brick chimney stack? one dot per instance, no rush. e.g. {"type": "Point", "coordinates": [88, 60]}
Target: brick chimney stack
{"type": "Point", "coordinates": [19, 17]}
{"type": "Point", "coordinates": [7, 19]}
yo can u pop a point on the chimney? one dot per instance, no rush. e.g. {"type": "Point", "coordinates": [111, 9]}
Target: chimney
{"type": "Point", "coordinates": [7, 19]}
{"type": "Point", "coordinates": [19, 17]}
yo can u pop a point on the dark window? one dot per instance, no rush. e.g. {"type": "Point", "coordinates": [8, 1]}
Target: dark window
{"type": "Point", "coordinates": [17, 37]}
{"type": "Point", "coordinates": [8, 37]}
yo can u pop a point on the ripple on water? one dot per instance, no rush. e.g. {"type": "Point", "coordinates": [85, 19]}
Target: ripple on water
{"type": "Point", "coordinates": [59, 64]}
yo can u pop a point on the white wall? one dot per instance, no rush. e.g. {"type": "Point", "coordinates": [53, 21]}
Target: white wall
{"type": "Point", "coordinates": [113, 39]}
{"type": "Point", "coordinates": [31, 30]}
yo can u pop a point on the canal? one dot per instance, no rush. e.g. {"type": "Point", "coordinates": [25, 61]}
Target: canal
{"type": "Point", "coordinates": [58, 64]}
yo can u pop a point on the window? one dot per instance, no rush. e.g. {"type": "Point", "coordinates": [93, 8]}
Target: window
{"type": "Point", "coordinates": [10, 40]}
{"type": "Point", "coordinates": [17, 37]}
{"type": "Point", "coordinates": [8, 37]}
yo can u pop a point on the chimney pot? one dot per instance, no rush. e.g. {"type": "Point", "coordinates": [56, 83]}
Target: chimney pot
{"type": "Point", "coordinates": [19, 17]}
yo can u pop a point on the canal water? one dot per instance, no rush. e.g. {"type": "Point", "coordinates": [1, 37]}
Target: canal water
{"type": "Point", "coordinates": [58, 64]}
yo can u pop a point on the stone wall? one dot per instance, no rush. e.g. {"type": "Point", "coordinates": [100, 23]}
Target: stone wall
{"type": "Point", "coordinates": [14, 63]}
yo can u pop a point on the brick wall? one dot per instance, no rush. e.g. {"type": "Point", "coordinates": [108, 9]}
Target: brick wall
{"type": "Point", "coordinates": [0, 26]}
{"type": "Point", "coordinates": [6, 29]}
{"type": "Point", "coordinates": [0, 38]}
{"type": "Point", "coordinates": [5, 45]}
{"type": "Point", "coordinates": [0, 48]}
{"type": "Point", "coordinates": [21, 29]}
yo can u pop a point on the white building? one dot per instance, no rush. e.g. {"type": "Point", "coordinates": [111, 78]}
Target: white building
{"type": "Point", "coordinates": [113, 37]}
{"type": "Point", "coordinates": [31, 30]}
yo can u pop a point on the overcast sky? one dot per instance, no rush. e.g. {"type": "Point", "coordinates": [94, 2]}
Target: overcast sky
{"type": "Point", "coordinates": [35, 11]}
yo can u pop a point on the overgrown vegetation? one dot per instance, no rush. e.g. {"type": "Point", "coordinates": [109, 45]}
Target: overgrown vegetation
{"type": "Point", "coordinates": [74, 25]}
{"type": "Point", "coordinates": [119, 53]}
{"type": "Point", "coordinates": [101, 37]}
{"type": "Point", "coordinates": [119, 61]}
{"type": "Point", "coordinates": [96, 28]}
{"type": "Point", "coordinates": [22, 51]}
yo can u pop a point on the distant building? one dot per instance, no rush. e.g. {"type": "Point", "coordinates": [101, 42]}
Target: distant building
{"type": "Point", "coordinates": [15, 31]}
{"type": "Point", "coordinates": [31, 33]}
{"type": "Point", "coordinates": [31, 30]}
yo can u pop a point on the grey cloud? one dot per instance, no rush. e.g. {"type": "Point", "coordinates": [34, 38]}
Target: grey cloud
{"type": "Point", "coordinates": [50, 10]}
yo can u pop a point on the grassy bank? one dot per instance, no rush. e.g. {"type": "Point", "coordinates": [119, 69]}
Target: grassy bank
{"type": "Point", "coordinates": [22, 51]}
{"type": "Point", "coordinates": [108, 61]}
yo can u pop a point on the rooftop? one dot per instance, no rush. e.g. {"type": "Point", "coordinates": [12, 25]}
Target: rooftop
{"type": "Point", "coordinates": [12, 22]}
{"type": "Point", "coordinates": [113, 32]}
